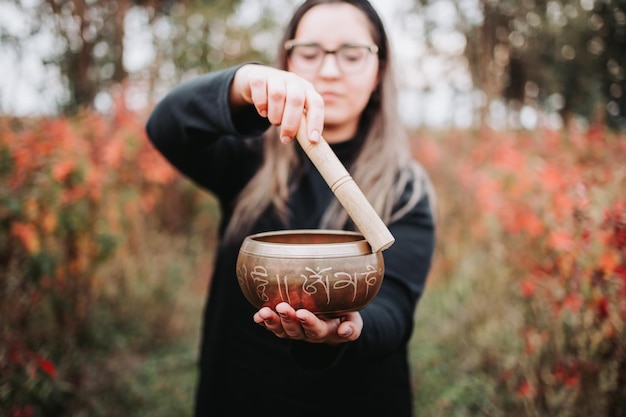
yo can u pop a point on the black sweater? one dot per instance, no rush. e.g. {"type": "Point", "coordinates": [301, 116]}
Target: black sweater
{"type": "Point", "coordinates": [245, 369]}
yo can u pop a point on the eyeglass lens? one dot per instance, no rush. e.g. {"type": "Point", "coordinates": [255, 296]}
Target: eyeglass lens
{"type": "Point", "coordinates": [350, 58]}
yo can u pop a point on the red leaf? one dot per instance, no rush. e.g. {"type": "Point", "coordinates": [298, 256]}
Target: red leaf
{"type": "Point", "coordinates": [26, 411]}
{"type": "Point", "coordinates": [528, 287]}
{"type": "Point", "coordinates": [553, 178]}
{"type": "Point", "coordinates": [62, 169]}
{"type": "Point", "coordinates": [561, 240]}
{"type": "Point", "coordinates": [603, 308]}
{"type": "Point", "coordinates": [27, 234]}
{"type": "Point", "coordinates": [608, 262]}
{"type": "Point", "coordinates": [572, 381]}
{"type": "Point", "coordinates": [46, 366]}
{"type": "Point", "coordinates": [526, 390]}
{"type": "Point", "coordinates": [573, 302]}
{"type": "Point", "coordinates": [15, 355]}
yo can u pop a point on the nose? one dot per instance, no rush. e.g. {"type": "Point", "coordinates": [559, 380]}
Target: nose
{"type": "Point", "coordinates": [330, 66]}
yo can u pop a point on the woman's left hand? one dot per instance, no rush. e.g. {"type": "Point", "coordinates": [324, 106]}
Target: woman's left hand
{"type": "Point", "coordinates": [287, 323]}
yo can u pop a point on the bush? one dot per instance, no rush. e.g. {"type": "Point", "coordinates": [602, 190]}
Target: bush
{"type": "Point", "coordinates": [105, 251]}
{"type": "Point", "coordinates": [98, 273]}
{"type": "Point", "coordinates": [525, 312]}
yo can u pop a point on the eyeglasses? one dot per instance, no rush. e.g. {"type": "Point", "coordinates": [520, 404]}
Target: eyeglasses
{"type": "Point", "coordinates": [309, 57]}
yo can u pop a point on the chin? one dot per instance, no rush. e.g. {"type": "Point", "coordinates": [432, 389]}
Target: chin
{"type": "Point", "coordinates": [334, 118]}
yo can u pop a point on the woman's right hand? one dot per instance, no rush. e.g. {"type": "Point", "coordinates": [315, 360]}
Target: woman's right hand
{"type": "Point", "coordinates": [282, 97]}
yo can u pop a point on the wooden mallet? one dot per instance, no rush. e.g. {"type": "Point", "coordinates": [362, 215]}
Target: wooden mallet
{"type": "Point", "coordinates": [346, 190]}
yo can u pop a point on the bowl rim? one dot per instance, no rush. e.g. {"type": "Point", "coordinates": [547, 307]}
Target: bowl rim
{"type": "Point", "coordinates": [254, 243]}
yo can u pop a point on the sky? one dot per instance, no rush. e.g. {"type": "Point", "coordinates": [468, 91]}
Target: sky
{"type": "Point", "coordinates": [27, 87]}
{"type": "Point", "coordinates": [23, 77]}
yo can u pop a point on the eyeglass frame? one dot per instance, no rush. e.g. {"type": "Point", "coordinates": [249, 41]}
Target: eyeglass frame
{"type": "Point", "coordinates": [291, 44]}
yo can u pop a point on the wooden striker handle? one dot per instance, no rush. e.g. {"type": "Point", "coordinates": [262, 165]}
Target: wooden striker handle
{"type": "Point", "coordinates": [346, 190]}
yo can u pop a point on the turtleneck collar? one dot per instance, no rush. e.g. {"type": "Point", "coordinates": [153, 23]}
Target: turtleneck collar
{"type": "Point", "coordinates": [348, 150]}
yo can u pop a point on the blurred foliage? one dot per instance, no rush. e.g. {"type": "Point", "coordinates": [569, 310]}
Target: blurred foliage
{"type": "Point", "coordinates": [565, 56]}
{"type": "Point", "coordinates": [190, 41]}
{"type": "Point", "coordinates": [105, 251]}
{"type": "Point", "coordinates": [556, 56]}
{"type": "Point", "coordinates": [89, 41]}
{"type": "Point", "coordinates": [524, 314]}
{"type": "Point", "coordinates": [104, 256]}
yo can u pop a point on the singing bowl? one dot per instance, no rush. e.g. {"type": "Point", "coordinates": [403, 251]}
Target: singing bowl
{"type": "Point", "coordinates": [328, 272]}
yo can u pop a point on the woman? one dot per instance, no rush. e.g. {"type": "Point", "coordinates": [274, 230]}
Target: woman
{"type": "Point", "coordinates": [232, 132]}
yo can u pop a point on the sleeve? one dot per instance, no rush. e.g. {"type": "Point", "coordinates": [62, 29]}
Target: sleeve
{"type": "Point", "coordinates": [194, 129]}
{"type": "Point", "coordinates": [388, 321]}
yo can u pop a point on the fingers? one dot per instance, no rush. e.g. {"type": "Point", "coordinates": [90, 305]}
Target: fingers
{"type": "Point", "coordinates": [275, 100]}
{"type": "Point", "coordinates": [258, 94]}
{"type": "Point", "coordinates": [351, 326]}
{"type": "Point", "coordinates": [269, 319]}
{"type": "Point", "coordinates": [282, 97]}
{"type": "Point", "coordinates": [290, 323]}
{"type": "Point", "coordinates": [349, 331]}
{"type": "Point", "coordinates": [285, 322]}
{"type": "Point", "coordinates": [346, 328]}
{"type": "Point", "coordinates": [314, 116]}
{"type": "Point", "coordinates": [286, 102]}
{"type": "Point", "coordinates": [289, 109]}
{"type": "Point", "coordinates": [282, 322]}
{"type": "Point", "coordinates": [314, 328]}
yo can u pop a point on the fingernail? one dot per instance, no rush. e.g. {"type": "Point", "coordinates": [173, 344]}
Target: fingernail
{"type": "Point", "coordinates": [263, 113]}
{"type": "Point", "coordinates": [315, 136]}
{"type": "Point", "coordinates": [285, 139]}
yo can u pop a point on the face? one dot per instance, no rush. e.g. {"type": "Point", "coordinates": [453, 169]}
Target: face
{"type": "Point", "coordinates": [345, 95]}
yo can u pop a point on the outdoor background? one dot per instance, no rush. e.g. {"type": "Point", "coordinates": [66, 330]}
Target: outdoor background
{"type": "Point", "coordinates": [517, 110]}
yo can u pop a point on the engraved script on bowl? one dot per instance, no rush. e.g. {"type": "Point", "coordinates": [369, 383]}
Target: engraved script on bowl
{"type": "Point", "coordinates": [326, 272]}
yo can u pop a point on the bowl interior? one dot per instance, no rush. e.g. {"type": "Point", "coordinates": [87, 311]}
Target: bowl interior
{"type": "Point", "coordinates": [307, 238]}
{"type": "Point", "coordinates": [306, 244]}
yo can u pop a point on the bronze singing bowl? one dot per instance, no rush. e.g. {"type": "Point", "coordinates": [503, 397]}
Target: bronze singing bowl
{"type": "Point", "coordinates": [325, 271]}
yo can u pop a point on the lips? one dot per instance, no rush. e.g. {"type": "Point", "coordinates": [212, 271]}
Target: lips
{"type": "Point", "coordinates": [330, 96]}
